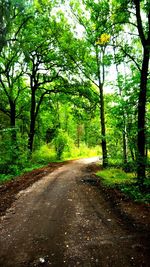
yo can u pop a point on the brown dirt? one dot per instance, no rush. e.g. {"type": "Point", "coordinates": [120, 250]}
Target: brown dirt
{"type": "Point", "coordinates": [62, 216]}
{"type": "Point", "coordinates": [9, 190]}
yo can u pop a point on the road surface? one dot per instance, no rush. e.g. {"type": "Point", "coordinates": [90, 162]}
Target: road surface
{"type": "Point", "coordinates": [62, 220]}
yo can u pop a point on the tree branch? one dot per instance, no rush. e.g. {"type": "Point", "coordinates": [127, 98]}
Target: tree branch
{"type": "Point", "coordinates": [22, 24]}
{"type": "Point", "coordinates": [4, 87]}
{"type": "Point", "coordinates": [129, 55]}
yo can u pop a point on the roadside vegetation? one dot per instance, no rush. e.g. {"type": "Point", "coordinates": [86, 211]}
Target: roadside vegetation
{"type": "Point", "coordinates": [44, 155]}
{"type": "Point", "coordinates": [126, 182]}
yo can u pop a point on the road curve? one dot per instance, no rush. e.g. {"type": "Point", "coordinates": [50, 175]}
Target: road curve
{"type": "Point", "coordinates": [63, 221]}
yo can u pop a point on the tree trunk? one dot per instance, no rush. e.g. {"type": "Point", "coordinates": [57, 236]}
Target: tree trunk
{"type": "Point", "coordinates": [124, 148]}
{"type": "Point", "coordinates": [132, 153]}
{"type": "Point", "coordinates": [101, 79]}
{"type": "Point", "coordinates": [32, 122]}
{"type": "Point", "coordinates": [86, 132]}
{"type": "Point", "coordinates": [124, 134]}
{"type": "Point", "coordinates": [13, 121]}
{"type": "Point", "coordinates": [31, 136]}
{"type": "Point", "coordinates": [79, 133]}
{"type": "Point", "coordinates": [141, 158]}
{"type": "Point", "coordinates": [14, 151]}
{"type": "Point", "coordinates": [103, 130]}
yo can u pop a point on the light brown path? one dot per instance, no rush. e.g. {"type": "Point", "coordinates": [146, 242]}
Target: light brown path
{"type": "Point", "coordinates": [61, 221]}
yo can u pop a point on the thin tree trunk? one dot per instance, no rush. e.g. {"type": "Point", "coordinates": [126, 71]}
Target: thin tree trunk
{"type": "Point", "coordinates": [124, 149]}
{"type": "Point", "coordinates": [78, 135]}
{"type": "Point", "coordinates": [103, 129]}
{"type": "Point", "coordinates": [124, 132]}
{"type": "Point", "coordinates": [86, 132]}
{"type": "Point", "coordinates": [101, 79]}
{"type": "Point", "coordinates": [132, 154]}
{"type": "Point", "coordinates": [14, 153]}
{"type": "Point", "coordinates": [13, 121]}
{"type": "Point", "coordinates": [32, 122]}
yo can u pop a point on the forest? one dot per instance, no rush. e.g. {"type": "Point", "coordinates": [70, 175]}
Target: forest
{"type": "Point", "coordinates": [74, 82]}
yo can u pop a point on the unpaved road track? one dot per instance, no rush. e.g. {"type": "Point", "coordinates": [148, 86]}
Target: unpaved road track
{"type": "Point", "coordinates": [63, 221]}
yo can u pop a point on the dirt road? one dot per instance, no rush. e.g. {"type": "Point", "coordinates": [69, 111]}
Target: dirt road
{"type": "Point", "coordinates": [64, 220]}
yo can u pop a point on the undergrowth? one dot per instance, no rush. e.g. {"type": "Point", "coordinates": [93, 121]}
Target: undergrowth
{"type": "Point", "coordinates": [126, 182]}
{"type": "Point", "coordinates": [12, 175]}
{"type": "Point", "coordinates": [41, 157]}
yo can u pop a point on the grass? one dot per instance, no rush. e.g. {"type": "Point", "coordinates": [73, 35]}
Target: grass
{"type": "Point", "coordinates": [112, 177]}
{"type": "Point", "coordinates": [5, 177]}
{"type": "Point", "coordinates": [126, 182]}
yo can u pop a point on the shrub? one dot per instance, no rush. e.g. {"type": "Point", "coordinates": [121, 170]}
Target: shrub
{"type": "Point", "coordinates": [62, 143]}
{"type": "Point", "coordinates": [45, 154]}
{"type": "Point", "coordinates": [126, 182]}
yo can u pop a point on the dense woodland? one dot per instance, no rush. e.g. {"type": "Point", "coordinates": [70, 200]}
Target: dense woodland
{"type": "Point", "coordinates": [74, 80]}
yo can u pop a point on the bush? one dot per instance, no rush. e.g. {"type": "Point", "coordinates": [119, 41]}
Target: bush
{"type": "Point", "coordinates": [134, 192]}
{"type": "Point", "coordinates": [44, 154]}
{"type": "Point", "coordinates": [63, 143]}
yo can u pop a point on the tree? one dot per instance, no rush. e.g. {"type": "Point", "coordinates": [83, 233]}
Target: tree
{"type": "Point", "coordinates": [11, 80]}
{"type": "Point", "coordinates": [95, 56]}
{"type": "Point", "coordinates": [145, 40]}
{"type": "Point", "coordinates": [12, 23]}
{"type": "Point", "coordinates": [136, 14]}
{"type": "Point", "coordinates": [49, 66]}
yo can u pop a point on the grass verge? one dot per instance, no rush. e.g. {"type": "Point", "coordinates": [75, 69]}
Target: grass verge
{"type": "Point", "coordinates": [7, 177]}
{"type": "Point", "coordinates": [125, 182]}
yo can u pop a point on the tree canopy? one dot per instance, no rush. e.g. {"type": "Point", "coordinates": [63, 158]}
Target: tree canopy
{"type": "Point", "coordinates": [75, 73]}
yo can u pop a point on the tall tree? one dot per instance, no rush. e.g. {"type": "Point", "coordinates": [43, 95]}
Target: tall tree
{"type": "Point", "coordinates": [12, 23]}
{"type": "Point", "coordinates": [145, 40]}
{"type": "Point", "coordinates": [136, 14]}
{"type": "Point", "coordinates": [50, 68]}
{"type": "Point", "coordinates": [94, 19]}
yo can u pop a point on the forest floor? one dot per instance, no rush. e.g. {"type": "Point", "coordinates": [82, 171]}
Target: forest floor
{"type": "Point", "coordinates": [61, 215]}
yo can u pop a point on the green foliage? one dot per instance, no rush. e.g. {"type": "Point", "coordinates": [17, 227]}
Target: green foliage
{"type": "Point", "coordinates": [82, 152]}
{"type": "Point", "coordinates": [15, 171]}
{"type": "Point", "coordinates": [135, 193]}
{"type": "Point", "coordinates": [62, 143]}
{"type": "Point", "coordinates": [44, 154]}
{"type": "Point", "coordinates": [52, 78]}
{"type": "Point", "coordinates": [126, 182]}
{"type": "Point", "coordinates": [47, 153]}
{"type": "Point", "coordinates": [112, 177]}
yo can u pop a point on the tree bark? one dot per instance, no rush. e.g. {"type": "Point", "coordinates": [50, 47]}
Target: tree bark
{"type": "Point", "coordinates": [13, 121]}
{"type": "Point", "coordinates": [141, 139]}
{"type": "Point", "coordinates": [32, 121]}
{"type": "Point", "coordinates": [103, 129]}
{"type": "Point", "coordinates": [132, 153]}
{"type": "Point", "coordinates": [124, 134]}
{"type": "Point", "coordinates": [124, 148]}
{"type": "Point", "coordinates": [101, 79]}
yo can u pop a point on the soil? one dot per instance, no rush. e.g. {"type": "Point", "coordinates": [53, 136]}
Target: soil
{"type": "Point", "coordinates": [61, 215]}
{"type": "Point", "coordinates": [9, 190]}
